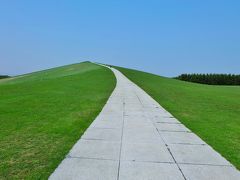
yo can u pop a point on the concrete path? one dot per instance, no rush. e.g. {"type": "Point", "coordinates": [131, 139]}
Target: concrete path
{"type": "Point", "coordinates": [134, 138]}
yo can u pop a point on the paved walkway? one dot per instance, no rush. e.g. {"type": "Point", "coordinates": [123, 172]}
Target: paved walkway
{"type": "Point", "coordinates": [134, 138]}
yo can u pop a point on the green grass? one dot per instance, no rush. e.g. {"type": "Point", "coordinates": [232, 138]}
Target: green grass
{"type": "Point", "coordinates": [212, 112]}
{"type": "Point", "coordinates": [43, 114]}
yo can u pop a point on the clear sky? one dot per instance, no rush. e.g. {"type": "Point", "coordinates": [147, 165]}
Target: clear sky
{"type": "Point", "coordinates": [167, 37]}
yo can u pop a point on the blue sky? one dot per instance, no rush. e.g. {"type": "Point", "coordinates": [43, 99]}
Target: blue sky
{"type": "Point", "coordinates": [164, 37]}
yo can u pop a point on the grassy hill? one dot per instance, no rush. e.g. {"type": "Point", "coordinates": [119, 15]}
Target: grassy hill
{"type": "Point", "coordinates": [43, 114]}
{"type": "Point", "coordinates": [212, 112]}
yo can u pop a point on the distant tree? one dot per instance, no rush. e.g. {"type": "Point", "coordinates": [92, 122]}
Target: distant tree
{"type": "Point", "coordinates": [3, 76]}
{"type": "Point", "coordinates": [211, 79]}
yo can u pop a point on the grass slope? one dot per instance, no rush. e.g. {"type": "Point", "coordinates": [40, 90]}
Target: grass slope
{"type": "Point", "coordinates": [212, 112]}
{"type": "Point", "coordinates": [44, 113]}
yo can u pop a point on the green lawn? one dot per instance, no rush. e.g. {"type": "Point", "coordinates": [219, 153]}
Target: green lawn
{"type": "Point", "coordinates": [43, 114]}
{"type": "Point", "coordinates": [212, 112]}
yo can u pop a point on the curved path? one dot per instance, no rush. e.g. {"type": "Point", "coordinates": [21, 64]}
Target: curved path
{"type": "Point", "coordinates": [134, 138]}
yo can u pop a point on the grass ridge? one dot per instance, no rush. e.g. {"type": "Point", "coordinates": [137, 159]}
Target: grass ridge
{"type": "Point", "coordinates": [43, 114]}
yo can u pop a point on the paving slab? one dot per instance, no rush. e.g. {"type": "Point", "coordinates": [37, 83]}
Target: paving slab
{"type": "Point", "coordinates": [134, 138]}
{"type": "Point", "coordinates": [197, 154]}
{"type": "Point", "coordinates": [134, 113]}
{"type": "Point", "coordinates": [103, 134]}
{"type": "Point", "coordinates": [158, 119]}
{"type": "Point", "coordinates": [156, 110]}
{"type": "Point", "coordinates": [86, 169]}
{"type": "Point", "coordinates": [96, 149]}
{"type": "Point", "coordinates": [136, 118]}
{"type": "Point", "coordinates": [133, 106]}
{"type": "Point", "coordinates": [171, 127]}
{"type": "Point", "coordinates": [198, 172]}
{"type": "Point", "coordinates": [181, 138]}
{"type": "Point", "coordinates": [111, 111]}
{"type": "Point", "coordinates": [160, 114]}
{"type": "Point", "coordinates": [144, 135]}
{"type": "Point", "coordinates": [109, 117]}
{"type": "Point", "coordinates": [137, 122]}
{"type": "Point", "coordinates": [149, 152]}
{"type": "Point", "coordinates": [107, 124]}
{"type": "Point", "coordinates": [141, 124]}
{"type": "Point", "coordinates": [149, 171]}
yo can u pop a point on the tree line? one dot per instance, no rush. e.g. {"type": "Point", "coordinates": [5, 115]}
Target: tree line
{"type": "Point", "coordinates": [211, 79]}
{"type": "Point", "coordinates": [3, 76]}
